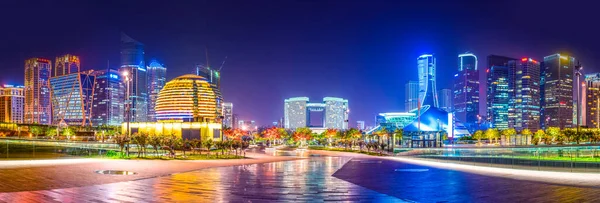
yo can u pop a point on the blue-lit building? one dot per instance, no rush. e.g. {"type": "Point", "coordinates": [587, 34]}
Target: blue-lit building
{"type": "Point", "coordinates": [557, 91]}
{"type": "Point", "coordinates": [132, 62]}
{"type": "Point", "coordinates": [466, 91]}
{"type": "Point", "coordinates": [498, 91]}
{"type": "Point", "coordinates": [72, 96]}
{"type": "Point", "coordinates": [109, 98]}
{"type": "Point", "coordinates": [427, 83]}
{"type": "Point", "coordinates": [157, 76]}
{"type": "Point", "coordinates": [525, 95]}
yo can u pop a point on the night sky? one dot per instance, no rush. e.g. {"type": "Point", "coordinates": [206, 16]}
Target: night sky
{"type": "Point", "coordinates": [364, 51]}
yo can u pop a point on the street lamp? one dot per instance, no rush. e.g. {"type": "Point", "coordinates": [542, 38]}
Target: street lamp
{"type": "Point", "coordinates": [127, 108]}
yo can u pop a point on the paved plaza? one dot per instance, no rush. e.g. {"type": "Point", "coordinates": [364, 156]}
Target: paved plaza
{"type": "Point", "coordinates": [322, 176]}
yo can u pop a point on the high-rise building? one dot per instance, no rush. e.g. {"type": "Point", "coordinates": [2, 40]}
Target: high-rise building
{"type": "Point", "coordinates": [189, 98]}
{"type": "Point", "coordinates": [157, 74]}
{"type": "Point", "coordinates": [524, 93]}
{"type": "Point", "coordinates": [234, 121]}
{"type": "Point", "coordinates": [213, 76]}
{"type": "Point", "coordinates": [295, 112]}
{"type": "Point", "coordinates": [497, 91]}
{"type": "Point", "coordinates": [466, 92]}
{"type": "Point", "coordinates": [132, 63]}
{"type": "Point", "coordinates": [427, 90]}
{"type": "Point", "coordinates": [109, 98]}
{"type": "Point", "coordinates": [446, 100]}
{"type": "Point", "coordinates": [592, 110]}
{"type": "Point", "coordinates": [72, 97]}
{"type": "Point", "coordinates": [411, 95]}
{"type": "Point", "coordinates": [66, 64]}
{"type": "Point", "coordinates": [336, 113]}
{"type": "Point", "coordinates": [557, 94]}
{"type": "Point", "coordinates": [11, 104]}
{"type": "Point", "coordinates": [360, 125]}
{"type": "Point", "coordinates": [37, 93]}
{"type": "Point", "coordinates": [228, 114]}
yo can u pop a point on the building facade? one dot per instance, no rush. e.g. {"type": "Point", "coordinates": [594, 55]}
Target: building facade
{"type": "Point", "coordinates": [132, 63]}
{"type": "Point", "coordinates": [109, 98]}
{"type": "Point", "coordinates": [66, 64]}
{"type": "Point", "coordinates": [157, 76]}
{"type": "Point", "coordinates": [12, 100]}
{"type": "Point", "coordinates": [189, 98]}
{"type": "Point", "coordinates": [498, 91]}
{"type": "Point", "coordinates": [592, 94]}
{"type": "Point", "coordinates": [446, 100]}
{"type": "Point", "coordinates": [38, 107]}
{"type": "Point", "coordinates": [426, 66]}
{"type": "Point", "coordinates": [360, 125]}
{"type": "Point", "coordinates": [297, 112]}
{"type": "Point", "coordinates": [525, 94]}
{"type": "Point", "coordinates": [228, 114]}
{"type": "Point", "coordinates": [411, 95]}
{"type": "Point", "coordinates": [466, 91]}
{"type": "Point", "coordinates": [213, 76]}
{"type": "Point", "coordinates": [557, 94]}
{"type": "Point", "coordinates": [72, 97]}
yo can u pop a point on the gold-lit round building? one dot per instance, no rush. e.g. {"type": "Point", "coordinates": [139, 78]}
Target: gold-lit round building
{"type": "Point", "coordinates": [189, 98]}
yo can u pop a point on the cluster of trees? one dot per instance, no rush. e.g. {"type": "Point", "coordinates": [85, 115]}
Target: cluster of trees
{"type": "Point", "coordinates": [552, 135]}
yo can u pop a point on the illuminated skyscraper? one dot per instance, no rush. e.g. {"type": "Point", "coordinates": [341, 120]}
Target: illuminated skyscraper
{"type": "Point", "coordinates": [11, 104]}
{"type": "Point", "coordinates": [411, 95]}
{"type": "Point", "coordinates": [498, 92]}
{"type": "Point", "coordinates": [295, 112]}
{"type": "Point", "coordinates": [213, 76]}
{"type": "Point", "coordinates": [446, 100]}
{"type": "Point", "coordinates": [189, 98]}
{"type": "Point", "coordinates": [524, 93]}
{"type": "Point", "coordinates": [132, 62]}
{"type": "Point", "coordinates": [109, 98]}
{"type": "Point", "coordinates": [228, 114]}
{"type": "Point", "coordinates": [427, 90]}
{"type": "Point", "coordinates": [37, 93]}
{"type": "Point", "coordinates": [336, 113]}
{"type": "Point", "coordinates": [360, 125]}
{"type": "Point", "coordinates": [157, 74]}
{"type": "Point", "coordinates": [466, 91]}
{"type": "Point", "coordinates": [66, 64]}
{"type": "Point", "coordinates": [72, 97]}
{"type": "Point", "coordinates": [557, 95]}
{"type": "Point", "coordinates": [592, 110]}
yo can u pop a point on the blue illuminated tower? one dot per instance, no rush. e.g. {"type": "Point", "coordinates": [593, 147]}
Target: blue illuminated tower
{"type": "Point", "coordinates": [466, 92]}
{"type": "Point", "coordinates": [132, 62]}
{"type": "Point", "coordinates": [427, 89]}
{"type": "Point", "coordinates": [157, 74]}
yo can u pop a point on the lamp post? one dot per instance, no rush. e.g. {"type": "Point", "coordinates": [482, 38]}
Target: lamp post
{"type": "Point", "coordinates": [127, 109]}
{"type": "Point", "coordinates": [578, 69]}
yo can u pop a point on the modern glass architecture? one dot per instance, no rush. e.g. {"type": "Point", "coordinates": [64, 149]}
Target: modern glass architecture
{"type": "Point", "coordinates": [189, 98]}
{"type": "Point", "coordinates": [446, 99]}
{"type": "Point", "coordinates": [72, 97]}
{"type": "Point", "coordinates": [524, 93]}
{"type": "Point", "coordinates": [298, 110]}
{"type": "Point", "coordinates": [157, 74]}
{"type": "Point", "coordinates": [228, 114]}
{"type": "Point", "coordinates": [109, 98]}
{"type": "Point", "coordinates": [132, 62]}
{"type": "Point", "coordinates": [427, 90]}
{"type": "Point", "coordinates": [12, 100]}
{"type": "Point", "coordinates": [411, 95]}
{"type": "Point", "coordinates": [37, 93]}
{"type": "Point", "coordinates": [466, 91]}
{"type": "Point", "coordinates": [66, 64]}
{"type": "Point", "coordinates": [360, 125]}
{"type": "Point", "coordinates": [592, 109]}
{"type": "Point", "coordinates": [557, 95]}
{"type": "Point", "coordinates": [213, 76]}
{"type": "Point", "coordinates": [498, 91]}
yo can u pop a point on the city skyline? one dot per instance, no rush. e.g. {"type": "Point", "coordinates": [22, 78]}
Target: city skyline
{"type": "Point", "coordinates": [393, 53]}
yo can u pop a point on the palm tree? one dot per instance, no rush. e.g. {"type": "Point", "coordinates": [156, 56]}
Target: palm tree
{"type": "Point", "coordinates": [508, 133]}
{"type": "Point", "coordinates": [478, 135]}
{"type": "Point", "coordinates": [527, 134]}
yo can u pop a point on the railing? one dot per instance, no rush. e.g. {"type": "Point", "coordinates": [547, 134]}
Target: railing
{"type": "Point", "coordinates": [25, 149]}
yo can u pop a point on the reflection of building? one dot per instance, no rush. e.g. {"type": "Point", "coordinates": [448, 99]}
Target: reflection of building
{"type": "Point", "coordinates": [157, 74]}
{"type": "Point", "coordinates": [37, 93]}
{"type": "Point", "coordinates": [592, 110]}
{"type": "Point", "coordinates": [189, 98]}
{"type": "Point", "coordinates": [66, 64]}
{"type": "Point", "coordinates": [186, 130]}
{"type": "Point", "coordinates": [228, 114]}
{"type": "Point", "coordinates": [498, 92]}
{"type": "Point", "coordinates": [446, 100]}
{"type": "Point", "coordinates": [72, 96]}
{"type": "Point", "coordinates": [297, 112]}
{"type": "Point", "coordinates": [109, 98]}
{"type": "Point", "coordinates": [427, 90]}
{"type": "Point", "coordinates": [411, 95]}
{"type": "Point", "coordinates": [524, 93]}
{"type": "Point", "coordinates": [132, 62]}
{"type": "Point", "coordinates": [557, 94]}
{"type": "Point", "coordinates": [11, 104]}
{"type": "Point", "coordinates": [466, 91]}
{"type": "Point", "coordinates": [360, 125]}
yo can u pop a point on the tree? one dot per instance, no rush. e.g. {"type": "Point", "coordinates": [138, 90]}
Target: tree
{"type": "Point", "coordinates": [141, 140]}
{"type": "Point", "coordinates": [235, 134]}
{"type": "Point", "coordinates": [51, 133]}
{"type": "Point", "coordinates": [399, 134]}
{"type": "Point", "coordinates": [271, 134]}
{"type": "Point", "coordinates": [302, 134]}
{"type": "Point", "coordinates": [121, 141]}
{"type": "Point", "coordinates": [330, 134]}
{"type": "Point", "coordinates": [571, 134]}
{"type": "Point", "coordinates": [491, 133]}
{"type": "Point", "coordinates": [478, 135]}
{"type": "Point", "coordinates": [539, 135]}
{"type": "Point", "coordinates": [526, 133]}
{"type": "Point", "coordinates": [155, 142]}
{"type": "Point", "coordinates": [381, 133]}
{"type": "Point", "coordinates": [36, 130]}
{"type": "Point", "coordinates": [508, 133]}
{"type": "Point", "coordinates": [70, 132]}
{"type": "Point", "coordinates": [208, 144]}
{"type": "Point", "coordinates": [553, 133]}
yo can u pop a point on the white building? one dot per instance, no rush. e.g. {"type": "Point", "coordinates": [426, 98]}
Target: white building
{"type": "Point", "coordinates": [228, 114]}
{"type": "Point", "coordinates": [297, 113]}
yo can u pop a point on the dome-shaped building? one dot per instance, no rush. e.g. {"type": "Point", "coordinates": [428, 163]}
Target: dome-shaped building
{"type": "Point", "coordinates": [189, 98]}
